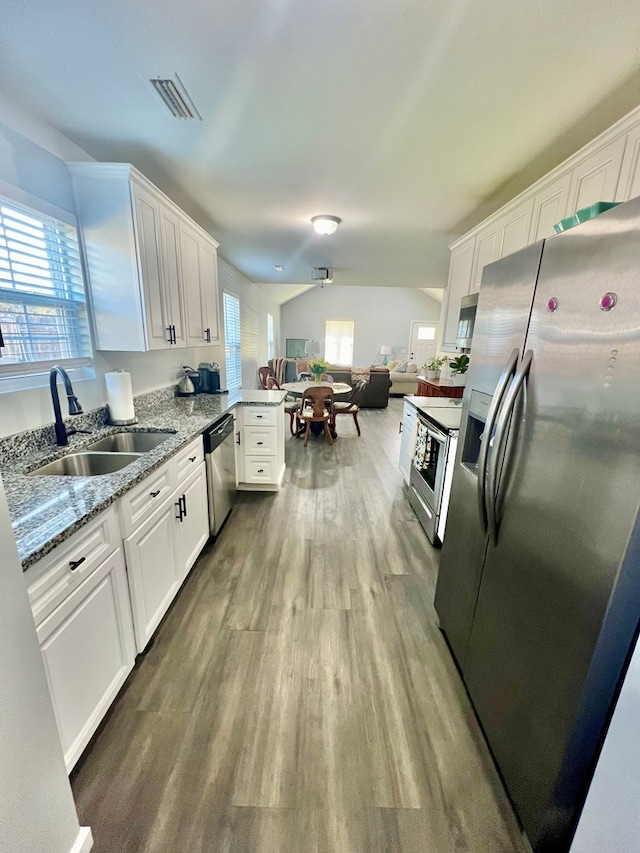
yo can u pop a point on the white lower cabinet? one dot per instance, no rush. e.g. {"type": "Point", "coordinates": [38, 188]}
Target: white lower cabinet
{"type": "Point", "coordinates": [153, 577]}
{"type": "Point", "coordinates": [88, 650]}
{"type": "Point", "coordinates": [260, 438]}
{"type": "Point", "coordinates": [162, 549]}
{"type": "Point", "coordinates": [192, 532]}
{"type": "Point", "coordinates": [409, 429]}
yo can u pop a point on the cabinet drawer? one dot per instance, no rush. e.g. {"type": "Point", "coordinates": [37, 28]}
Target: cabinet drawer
{"type": "Point", "coordinates": [260, 441]}
{"type": "Point", "coordinates": [187, 460]}
{"type": "Point", "coordinates": [260, 415]}
{"type": "Point", "coordinates": [139, 503]}
{"type": "Point", "coordinates": [54, 578]}
{"type": "Point", "coordinates": [257, 470]}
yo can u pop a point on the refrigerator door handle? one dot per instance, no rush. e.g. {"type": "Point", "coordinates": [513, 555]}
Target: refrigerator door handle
{"type": "Point", "coordinates": [498, 396]}
{"type": "Point", "coordinates": [501, 433]}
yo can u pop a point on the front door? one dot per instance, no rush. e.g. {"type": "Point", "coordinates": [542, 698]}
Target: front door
{"type": "Point", "coordinates": [423, 342]}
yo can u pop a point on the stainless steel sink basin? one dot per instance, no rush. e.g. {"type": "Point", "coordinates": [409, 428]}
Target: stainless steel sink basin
{"type": "Point", "coordinates": [84, 464]}
{"type": "Point", "coordinates": [129, 442]}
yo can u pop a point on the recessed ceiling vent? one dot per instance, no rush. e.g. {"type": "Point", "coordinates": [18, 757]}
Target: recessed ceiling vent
{"type": "Point", "coordinates": [176, 98]}
{"type": "Point", "coordinates": [322, 274]}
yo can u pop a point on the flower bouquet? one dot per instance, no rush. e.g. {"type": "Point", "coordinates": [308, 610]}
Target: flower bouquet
{"type": "Point", "coordinates": [318, 367]}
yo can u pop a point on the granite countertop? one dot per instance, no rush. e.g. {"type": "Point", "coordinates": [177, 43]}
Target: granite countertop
{"type": "Point", "coordinates": [46, 510]}
{"type": "Point", "coordinates": [445, 412]}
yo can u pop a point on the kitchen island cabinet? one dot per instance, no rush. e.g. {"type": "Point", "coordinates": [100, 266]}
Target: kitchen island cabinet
{"type": "Point", "coordinates": [438, 388]}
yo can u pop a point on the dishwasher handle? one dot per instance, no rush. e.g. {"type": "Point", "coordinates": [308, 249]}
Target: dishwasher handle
{"type": "Point", "coordinates": [218, 433]}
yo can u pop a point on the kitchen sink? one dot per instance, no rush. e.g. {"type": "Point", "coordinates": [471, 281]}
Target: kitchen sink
{"type": "Point", "coordinates": [129, 442]}
{"type": "Point", "coordinates": [83, 464]}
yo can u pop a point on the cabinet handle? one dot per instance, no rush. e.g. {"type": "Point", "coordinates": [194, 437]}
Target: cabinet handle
{"type": "Point", "coordinates": [207, 335]}
{"type": "Point", "coordinates": [259, 417]}
{"type": "Point", "coordinates": [73, 564]}
{"type": "Point", "coordinates": [155, 494]}
{"type": "Point", "coordinates": [1, 340]}
{"type": "Point", "coordinates": [259, 443]}
{"type": "Point", "coordinates": [238, 438]}
{"type": "Point", "coordinates": [192, 458]}
{"type": "Point", "coordinates": [180, 516]}
{"type": "Point", "coordinates": [172, 334]}
{"type": "Point", "coordinates": [184, 505]}
{"type": "Point", "coordinates": [400, 427]}
{"type": "Point", "coordinates": [260, 470]}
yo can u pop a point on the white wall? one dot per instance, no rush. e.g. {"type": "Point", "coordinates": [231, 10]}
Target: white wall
{"type": "Point", "coordinates": [382, 315]}
{"type": "Point", "coordinates": [254, 307]}
{"type": "Point", "coordinates": [32, 159]}
{"type": "Point", "coordinates": [37, 813]}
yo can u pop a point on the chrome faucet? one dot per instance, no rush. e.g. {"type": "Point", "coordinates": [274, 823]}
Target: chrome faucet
{"type": "Point", "coordinates": [75, 408]}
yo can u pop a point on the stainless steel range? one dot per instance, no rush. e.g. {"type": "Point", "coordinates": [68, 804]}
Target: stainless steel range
{"type": "Point", "coordinates": [433, 462]}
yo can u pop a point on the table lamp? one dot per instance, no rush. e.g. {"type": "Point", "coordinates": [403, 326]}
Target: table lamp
{"type": "Point", "coordinates": [384, 352]}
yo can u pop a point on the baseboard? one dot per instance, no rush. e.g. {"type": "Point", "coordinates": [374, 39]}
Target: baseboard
{"type": "Point", "coordinates": [84, 841]}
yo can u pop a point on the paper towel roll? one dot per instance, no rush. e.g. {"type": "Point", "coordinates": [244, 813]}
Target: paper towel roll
{"type": "Point", "coordinates": [120, 397]}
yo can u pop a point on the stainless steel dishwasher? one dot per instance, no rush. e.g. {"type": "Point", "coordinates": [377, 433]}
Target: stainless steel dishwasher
{"type": "Point", "coordinates": [220, 457]}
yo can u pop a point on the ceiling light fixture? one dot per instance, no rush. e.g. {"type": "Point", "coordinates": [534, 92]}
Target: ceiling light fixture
{"type": "Point", "coordinates": [325, 224]}
{"type": "Point", "coordinates": [322, 274]}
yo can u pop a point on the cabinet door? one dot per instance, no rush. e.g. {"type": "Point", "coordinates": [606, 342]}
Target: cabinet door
{"type": "Point", "coordinates": [549, 207]}
{"type": "Point", "coordinates": [408, 440]}
{"type": "Point", "coordinates": [209, 292]}
{"type": "Point", "coordinates": [629, 184]}
{"type": "Point", "coordinates": [149, 240]}
{"type": "Point", "coordinates": [88, 650]}
{"type": "Point", "coordinates": [192, 532]}
{"type": "Point", "coordinates": [515, 228]}
{"type": "Point", "coordinates": [458, 286]}
{"type": "Point", "coordinates": [172, 275]}
{"type": "Point", "coordinates": [151, 567]}
{"type": "Point", "coordinates": [486, 251]}
{"type": "Point", "coordinates": [190, 251]}
{"type": "Point", "coordinates": [596, 178]}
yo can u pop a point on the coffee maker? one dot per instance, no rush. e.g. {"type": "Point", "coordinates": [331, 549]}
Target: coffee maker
{"type": "Point", "coordinates": [209, 377]}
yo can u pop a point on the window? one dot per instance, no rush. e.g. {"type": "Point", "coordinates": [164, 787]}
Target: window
{"type": "Point", "coordinates": [271, 344]}
{"type": "Point", "coordinates": [233, 358]}
{"type": "Point", "coordinates": [338, 342]}
{"type": "Point", "coordinates": [43, 314]}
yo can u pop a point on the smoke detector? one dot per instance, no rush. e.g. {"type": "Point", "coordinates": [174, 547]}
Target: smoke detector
{"type": "Point", "coordinates": [322, 274]}
{"type": "Point", "coordinates": [176, 98]}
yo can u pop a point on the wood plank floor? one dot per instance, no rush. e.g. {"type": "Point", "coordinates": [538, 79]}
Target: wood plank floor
{"type": "Point", "coordinates": [298, 697]}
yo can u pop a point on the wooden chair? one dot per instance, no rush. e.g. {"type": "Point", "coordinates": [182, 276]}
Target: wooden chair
{"type": "Point", "coordinates": [316, 406]}
{"type": "Point", "coordinates": [290, 405]}
{"type": "Point", "coordinates": [350, 406]}
{"type": "Point", "coordinates": [263, 374]}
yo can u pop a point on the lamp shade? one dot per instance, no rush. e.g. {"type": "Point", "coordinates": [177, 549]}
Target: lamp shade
{"type": "Point", "coordinates": [325, 224]}
{"type": "Point", "coordinates": [385, 350]}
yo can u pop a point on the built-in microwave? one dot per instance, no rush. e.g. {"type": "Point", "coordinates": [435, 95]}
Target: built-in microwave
{"type": "Point", "coordinates": [466, 320]}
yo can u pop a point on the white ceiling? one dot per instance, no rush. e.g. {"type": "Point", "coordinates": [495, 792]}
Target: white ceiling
{"type": "Point", "coordinates": [410, 119]}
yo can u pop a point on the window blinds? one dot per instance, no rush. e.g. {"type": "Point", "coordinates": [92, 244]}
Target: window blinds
{"type": "Point", "coordinates": [338, 342]}
{"type": "Point", "coordinates": [233, 358]}
{"type": "Point", "coordinates": [43, 315]}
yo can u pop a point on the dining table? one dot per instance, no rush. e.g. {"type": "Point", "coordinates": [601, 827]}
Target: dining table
{"type": "Point", "coordinates": [298, 389]}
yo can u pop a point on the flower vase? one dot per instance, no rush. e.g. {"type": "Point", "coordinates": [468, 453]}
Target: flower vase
{"type": "Point", "coordinates": [317, 378]}
{"type": "Point", "coordinates": [432, 374]}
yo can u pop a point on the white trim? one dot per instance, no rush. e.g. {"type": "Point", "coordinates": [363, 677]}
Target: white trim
{"type": "Point", "coordinates": [84, 841]}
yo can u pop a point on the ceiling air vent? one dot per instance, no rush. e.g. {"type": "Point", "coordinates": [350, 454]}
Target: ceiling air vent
{"type": "Point", "coordinates": [176, 98]}
{"type": "Point", "coordinates": [322, 274]}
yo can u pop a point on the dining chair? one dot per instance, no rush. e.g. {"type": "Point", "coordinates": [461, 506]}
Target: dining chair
{"type": "Point", "coordinates": [290, 403]}
{"type": "Point", "coordinates": [350, 406]}
{"type": "Point", "coordinates": [316, 406]}
{"type": "Point", "coordinates": [263, 374]}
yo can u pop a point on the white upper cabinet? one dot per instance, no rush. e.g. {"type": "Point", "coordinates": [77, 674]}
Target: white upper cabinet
{"type": "Point", "coordinates": [515, 228]}
{"type": "Point", "coordinates": [200, 281]}
{"type": "Point", "coordinates": [629, 183]}
{"type": "Point", "coordinates": [458, 286]}
{"type": "Point", "coordinates": [549, 207]}
{"type": "Point", "coordinates": [596, 177]}
{"type": "Point", "coordinates": [144, 294]}
{"type": "Point", "coordinates": [486, 251]}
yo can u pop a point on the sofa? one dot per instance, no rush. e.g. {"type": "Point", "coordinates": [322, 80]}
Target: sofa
{"type": "Point", "coordinates": [403, 381]}
{"type": "Point", "coordinates": [376, 395]}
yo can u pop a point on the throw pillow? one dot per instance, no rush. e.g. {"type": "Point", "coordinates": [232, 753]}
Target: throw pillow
{"type": "Point", "coordinates": [402, 368]}
{"type": "Point", "coordinates": [412, 367]}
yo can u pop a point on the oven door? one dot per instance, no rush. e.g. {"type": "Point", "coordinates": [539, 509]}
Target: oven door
{"type": "Point", "coordinates": [429, 463]}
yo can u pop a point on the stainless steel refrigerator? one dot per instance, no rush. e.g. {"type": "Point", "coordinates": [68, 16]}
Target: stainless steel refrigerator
{"type": "Point", "coordinates": [538, 590]}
